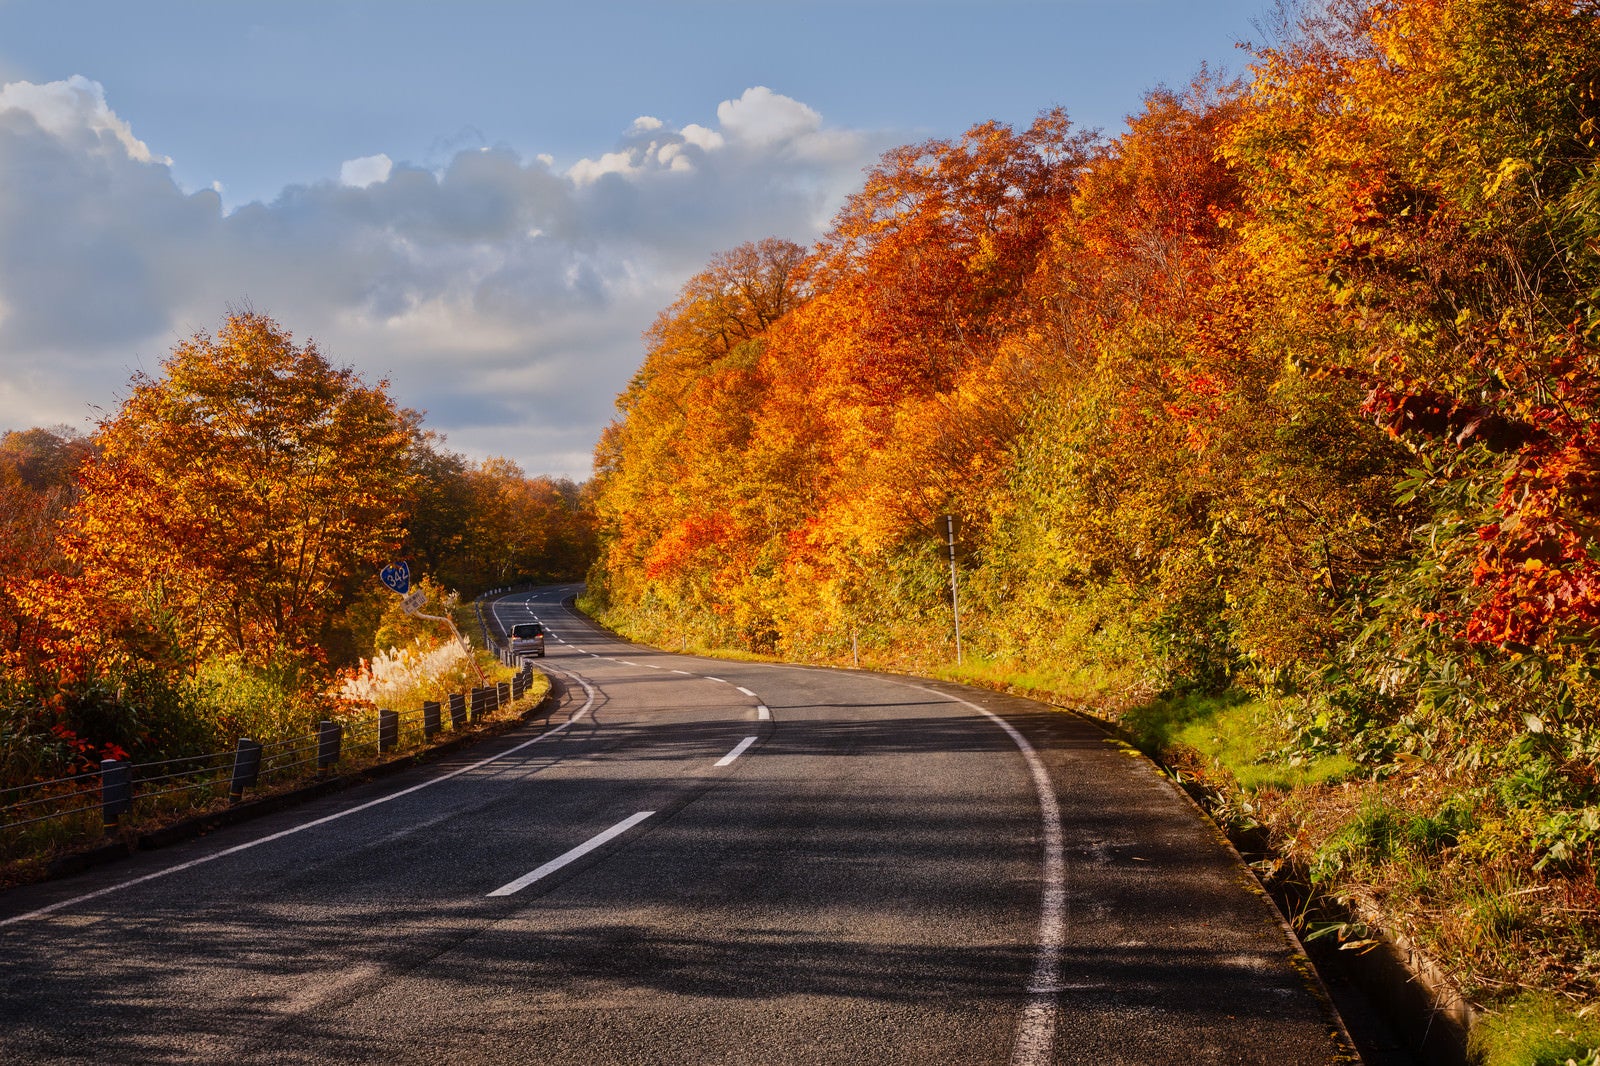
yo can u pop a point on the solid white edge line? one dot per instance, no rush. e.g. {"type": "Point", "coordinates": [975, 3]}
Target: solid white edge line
{"type": "Point", "coordinates": [738, 750]}
{"type": "Point", "coordinates": [588, 704]}
{"type": "Point", "coordinates": [1036, 1028]}
{"type": "Point", "coordinates": [576, 853]}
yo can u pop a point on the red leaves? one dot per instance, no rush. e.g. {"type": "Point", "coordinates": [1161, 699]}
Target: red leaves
{"type": "Point", "coordinates": [1537, 564]}
{"type": "Point", "coordinates": [924, 266]}
{"type": "Point", "coordinates": [1429, 413]}
{"type": "Point", "coordinates": [83, 755]}
{"type": "Point", "coordinates": [692, 542]}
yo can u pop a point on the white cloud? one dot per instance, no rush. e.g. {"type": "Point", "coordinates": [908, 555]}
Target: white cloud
{"type": "Point", "coordinates": [673, 157]}
{"type": "Point", "coordinates": [503, 296]}
{"type": "Point", "coordinates": [367, 170]}
{"type": "Point", "coordinates": [762, 117]}
{"type": "Point", "coordinates": [647, 124]}
{"type": "Point", "coordinates": [700, 137]}
{"type": "Point", "coordinates": [588, 171]}
{"type": "Point", "coordinates": [74, 108]}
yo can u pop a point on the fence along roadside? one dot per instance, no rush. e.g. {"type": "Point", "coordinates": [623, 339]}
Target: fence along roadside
{"type": "Point", "coordinates": [62, 810]}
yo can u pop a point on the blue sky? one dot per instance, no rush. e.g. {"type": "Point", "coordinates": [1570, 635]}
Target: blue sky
{"type": "Point", "coordinates": [484, 203]}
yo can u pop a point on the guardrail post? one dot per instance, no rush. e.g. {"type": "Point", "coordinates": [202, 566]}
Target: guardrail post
{"type": "Point", "coordinates": [388, 730]}
{"type": "Point", "coordinates": [502, 694]}
{"type": "Point", "coordinates": [458, 710]}
{"type": "Point", "coordinates": [246, 768]}
{"type": "Point", "coordinates": [328, 736]}
{"type": "Point", "coordinates": [480, 702]}
{"type": "Point", "coordinates": [116, 791]}
{"type": "Point", "coordinates": [517, 686]}
{"type": "Point", "coordinates": [430, 718]}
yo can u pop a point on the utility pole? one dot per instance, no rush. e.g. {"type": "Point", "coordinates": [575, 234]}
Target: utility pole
{"type": "Point", "coordinates": [955, 601]}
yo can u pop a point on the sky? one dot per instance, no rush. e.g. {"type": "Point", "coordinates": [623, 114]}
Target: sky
{"type": "Point", "coordinates": [483, 204]}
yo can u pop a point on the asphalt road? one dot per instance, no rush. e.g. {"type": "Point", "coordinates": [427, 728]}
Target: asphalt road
{"type": "Point", "coordinates": [694, 861]}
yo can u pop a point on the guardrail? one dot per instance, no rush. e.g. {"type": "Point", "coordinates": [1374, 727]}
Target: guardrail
{"type": "Point", "coordinates": [194, 781]}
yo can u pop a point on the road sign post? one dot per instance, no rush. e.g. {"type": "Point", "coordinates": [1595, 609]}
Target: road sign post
{"type": "Point", "coordinates": [955, 601]}
{"type": "Point", "coordinates": [397, 578]}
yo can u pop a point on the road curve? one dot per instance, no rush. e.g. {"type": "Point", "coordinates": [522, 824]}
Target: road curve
{"type": "Point", "coordinates": [695, 861]}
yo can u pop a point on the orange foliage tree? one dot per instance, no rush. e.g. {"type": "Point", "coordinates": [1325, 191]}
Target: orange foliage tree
{"type": "Point", "coordinates": [1424, 179]}
{"type": "Point", "coordinates": [232, 505]}
{"type": "Point", "coordinates": [1293, 381]}
{"type": "Point", "coordinates": [682, 511]}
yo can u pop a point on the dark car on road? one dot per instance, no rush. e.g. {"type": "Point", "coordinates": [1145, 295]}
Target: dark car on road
{"type": "Point", "coordinates": [527, 638]}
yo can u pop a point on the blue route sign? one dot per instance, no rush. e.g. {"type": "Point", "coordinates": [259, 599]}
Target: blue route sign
{"type": "Point", "coordinates": [397, 576]}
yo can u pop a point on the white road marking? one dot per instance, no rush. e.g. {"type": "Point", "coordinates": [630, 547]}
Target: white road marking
{"type": "Point", "coordinates": [738, 750]}
{"type": "Point", "coordinates": [562, 728]}
{"type": "Point", "coordinates": [718, 680]}
{"type": "Point", "coordinates": [1036, 1029]}
{"type": "Point", "coordinates": [762, 712]}
{"type": "Point", "coordinates": [685, 673]}
{"type": "Point", "coordinates": [576, 853]}
{"type": "Point", "coordinates": [746, 691]}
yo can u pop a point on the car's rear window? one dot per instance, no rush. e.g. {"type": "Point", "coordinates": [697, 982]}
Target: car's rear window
{"type": "Point", "coordinates": [526, 629]}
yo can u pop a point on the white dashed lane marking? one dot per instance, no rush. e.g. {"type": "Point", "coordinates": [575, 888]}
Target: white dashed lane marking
{"type": "Point", "coordinates": [576, 853]}
{"type": "Point", "coordinates": [738, 750]}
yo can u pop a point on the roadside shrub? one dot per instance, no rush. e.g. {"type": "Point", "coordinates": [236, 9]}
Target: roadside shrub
{"type": "Point", "coordinates": [266, 703]}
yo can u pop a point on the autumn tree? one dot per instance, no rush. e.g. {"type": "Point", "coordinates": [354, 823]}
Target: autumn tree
{"type": "Point", "coordinates": [38, 487]}
{"type": "Point", "coordinates": [237, 498]}
{"type": "Point", "coordinates": [516, 529]}
{"type": "Point", "coordinates": [681, 512]}
{"type": "Point", "coordinates": [1424, 178]}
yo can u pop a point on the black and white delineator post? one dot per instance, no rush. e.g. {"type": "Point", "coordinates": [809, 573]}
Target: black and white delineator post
{"type": "Point", "coordinates": [955, 601]}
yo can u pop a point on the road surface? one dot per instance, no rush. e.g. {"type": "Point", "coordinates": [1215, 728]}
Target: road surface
{"type": "Point", "coordinates": [693, 861]}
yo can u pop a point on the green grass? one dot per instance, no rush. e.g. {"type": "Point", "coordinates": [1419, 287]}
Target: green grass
{"type": "Point", "coordinates": [1234, 732]}
{"type": "Point", "coordinates": [1060, 684]}
{"type": "Point", "coordinates": [1536, 1030]}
